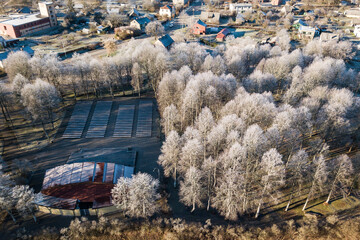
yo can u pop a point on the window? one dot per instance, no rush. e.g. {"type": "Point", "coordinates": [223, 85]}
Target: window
{"type": "Point", "coordinates": [5, 28]}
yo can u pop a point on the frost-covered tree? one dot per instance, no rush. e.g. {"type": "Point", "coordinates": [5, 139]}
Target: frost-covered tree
{"type": "Point", "coordinates": [155, 29]}
{"type": "Point", "coordinates": [170, 119]}
{"type": "Point", "coordinates": [170, 154]}
{"type": "Point", "coordinates": [191, 155]}
{"type": "Point", "coordinates": [7, 202]}
{"type": "Point", "coordinates": [343, 176]}
{"type": "Point", "coordinates": [229, 194]}
{"type": "Point", "coordinates": [273, 175]}
{"type": "Point", "coordinates": [204, 123]}
{"type": "Point", "coordinates": [210, 170]}
{"type": "Point", "coordinates": [283, 40]}
{"type": "Point", "coordinates": [192, 191]}
{"type": "Point", "coordinates": [40, 99]}
{"type": "Point", "coordinates": [215, 64]}
{"type": "Point", "coordinates": [137, 196]}
{"type": "Point", "coordinates": [137, 78]}
{"type": "Point", "coordinates": [18, 84]}
{"type": "Point", "coordinates": [319, 178]}
{"type": "Point", "coordinates": [18, 63]}
{"type": "Point", "coordinates": [297, 171]}
{"type": "Point", "coordinates": [25, 200]}
{"type": "Point", "coordinates": [260, 82]}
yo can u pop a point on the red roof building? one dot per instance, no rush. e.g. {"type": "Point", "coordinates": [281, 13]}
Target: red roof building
{"type": "Point", "coordinates": [199, 28]}
{"type": "Point", "coordinates": [222, 35]}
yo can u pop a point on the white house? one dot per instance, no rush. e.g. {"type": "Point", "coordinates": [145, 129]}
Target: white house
{"type": "Point", "coordinates": [167, 11]}
{"type": "Point", "coordinates": [240, 7]}
{"type": "Point", "coordinates": [352, 13]}
{"type": "Point", "coordinates": [357, 31]}
{"type": "Point", "coordinates": [180, 2]}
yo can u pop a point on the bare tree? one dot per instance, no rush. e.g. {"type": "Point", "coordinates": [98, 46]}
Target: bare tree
{"type": "Point", "coordinates": [137, 196]}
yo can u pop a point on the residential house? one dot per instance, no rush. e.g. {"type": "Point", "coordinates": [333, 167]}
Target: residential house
{"type": "Point", "coordinates": [210, 17]}
{"type": "Point", "coordinates": [134, 13]}
{"type": "Point", "coordinates": [222, 35]}
{"type": "Point", "coordinates": [140, 23]}
{"type": "Point", "coordinates": [287, 9]}
{"type": "Point", "coordinates": [180, 2]}
{"type": "Point", "coordinates": [240, 7]}
{"type": "Point", "coordinates": [239, 18]}
{"type": "Point", "coordinates": [306, 32]}
{"type": "Point", "coordinates": [166, 41]}
{"type": "Point", "coordinates": [199, 28]}
{"type": "Point", "coordinates": [276, 2]}
{"type": "Point", "coordinates": [167, 11]}
{"type": "Point", "coordinates": [299, 23]}
{"type": "Point", "coordinates": [328, 36]}
{"type": "Point", "coordinates": [352, 13]}
{"type": "Point", "coordinates": [357, 31]}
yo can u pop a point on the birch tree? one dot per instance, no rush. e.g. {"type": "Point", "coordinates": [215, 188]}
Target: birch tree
{"type": "Point", "coordinates": [170, 119]}
{"type": "Point", "coordinates": [229, 194]}
{"type": "Point", "coordinates": [343, 176]}
{"type": "Point", "coordinates": [297, 170]}
{"type": "Point", "coordinates": [273, 174]}
{"type": "Point", "coordinates": [191, 155]}
{"type": "Point", "coordinates": [191, 189]}
{"type": "Point", "coordinates": [137, 196]}
{"type": "Point", "coordinates": [210, 169]}
{"type": "Point", "coordinates": [137, 78]}
{"type": "Point", "coordinates": [170, 154]}
{"type": "Point", "coordinates": [319, 178]}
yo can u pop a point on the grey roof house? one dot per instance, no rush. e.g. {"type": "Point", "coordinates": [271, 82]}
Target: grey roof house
{"type": "Point", "coordinates": [166, 41]}
{"type": "Point", "coordinates": [140, 23]}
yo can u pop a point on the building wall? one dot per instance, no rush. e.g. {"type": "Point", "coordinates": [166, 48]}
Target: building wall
{"type": "Point", "coordinates": [77, 212]}
{"type": "Point", "coordinates": [165, 12]}
{"type": "Point", "coordinates": [25, 29]}
{"type": "Point", "coordinates": [48, 10]}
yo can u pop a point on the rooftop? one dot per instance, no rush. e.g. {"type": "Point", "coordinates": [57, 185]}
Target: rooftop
{"type": "Point", "coordinates": [201, 23]}
{"type": "Point", "coordinates": [23, 20]}
{"type": "Point", "coordinates": [166, 40]}
{"type": "Point", "coordinates": [88, 176]}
